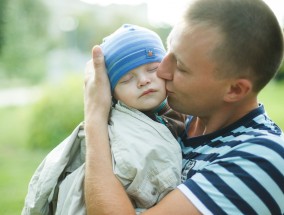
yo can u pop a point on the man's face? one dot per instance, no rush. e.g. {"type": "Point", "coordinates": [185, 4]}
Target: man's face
{"type": "Point", "coordinates": [141, 88]}
{"type": "Point", "coordinates": [190, 71]}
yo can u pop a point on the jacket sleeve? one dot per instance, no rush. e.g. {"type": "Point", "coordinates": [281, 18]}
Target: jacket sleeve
{"type": "Point", "coordinates": [45, 178]}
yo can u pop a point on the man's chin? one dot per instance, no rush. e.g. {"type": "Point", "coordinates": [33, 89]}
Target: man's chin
{"type": "Point", "coordinates": [175, 105]}
{"type": "Point", "coordinates": [172, 102]}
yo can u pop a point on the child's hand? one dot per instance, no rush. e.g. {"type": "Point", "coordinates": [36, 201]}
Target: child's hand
{"type": "Point", "coordinates": [97, 94]}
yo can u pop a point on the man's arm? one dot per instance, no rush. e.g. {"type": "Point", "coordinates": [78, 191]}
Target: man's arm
{"type": "Point", "coordinates": [104, 194]}
{"type": "Point", "coordinates": [102, 189]}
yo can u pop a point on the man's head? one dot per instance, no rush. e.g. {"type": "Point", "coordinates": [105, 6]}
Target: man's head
{"type": "Point", "coordinates": [221, 54]}
{"type": "Point", "coordinates": [252, 41]}
{"type": "Point", "coordinates": [132, 55]}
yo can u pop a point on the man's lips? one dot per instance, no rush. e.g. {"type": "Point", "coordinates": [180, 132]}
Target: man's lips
{"type": "Point", "coordinates": [147, 92]}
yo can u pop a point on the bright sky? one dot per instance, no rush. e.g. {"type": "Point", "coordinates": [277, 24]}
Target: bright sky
{"type": "Point", "coordinates": [169, 10]}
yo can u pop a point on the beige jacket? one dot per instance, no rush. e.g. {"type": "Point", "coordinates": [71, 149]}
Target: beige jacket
{"type": "Point", "coordinates": [146, 159]}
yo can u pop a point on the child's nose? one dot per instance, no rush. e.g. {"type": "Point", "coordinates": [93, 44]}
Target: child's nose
{"type": "Point", "coordinates": [143, 80]}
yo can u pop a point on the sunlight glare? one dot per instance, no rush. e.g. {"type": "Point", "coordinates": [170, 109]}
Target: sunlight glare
{"type": "Point", "coordinates": [168, 11]}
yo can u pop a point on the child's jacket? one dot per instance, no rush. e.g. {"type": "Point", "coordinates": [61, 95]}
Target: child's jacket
{"type": "Point", "coordinates": [146, 159]}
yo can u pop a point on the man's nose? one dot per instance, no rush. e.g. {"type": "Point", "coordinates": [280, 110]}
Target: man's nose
{"type": "Point", "coordinates": [166, 68]}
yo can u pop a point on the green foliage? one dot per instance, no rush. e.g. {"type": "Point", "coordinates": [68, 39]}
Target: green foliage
{"type": "Point", "coordinates": [32, 31]}
{"type": "Point", "coordinates": [280, 74]}
{"type": "Point", "coordinates": [17, 163]}
{"type": "Point", "coordinates": [91, 29]}
{"type": "Point", "coordinates": [24, 42]}
{"type": "Point", "coordinates": [17, 166]}
{"type": "Point", "coordinates": [56, 114]}
{"type": "Point", "coordinates": [271, 96]}
{"type": "Point", "coordinates": [13, 125]}
{"type": "Point", "coordinates": [3, 4]}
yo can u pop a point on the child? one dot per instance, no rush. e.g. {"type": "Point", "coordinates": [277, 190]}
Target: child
{"type": "Point", "coordinates": [142, 132]}
{"type": "Point", "coordinates": [142, 146]}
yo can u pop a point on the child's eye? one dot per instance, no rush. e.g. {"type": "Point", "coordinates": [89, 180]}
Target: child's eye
{"type": "Point", "coordinates": [154, 69]}
{"type": "Point", "coordinates": [126, 78]}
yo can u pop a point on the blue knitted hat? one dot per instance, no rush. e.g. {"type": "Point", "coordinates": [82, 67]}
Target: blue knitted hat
{"type": "Point", "coordinates": [129, 47]}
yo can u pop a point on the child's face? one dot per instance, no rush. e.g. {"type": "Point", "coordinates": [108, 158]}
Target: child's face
{"type": "Point", "coordinates": [141, 88]}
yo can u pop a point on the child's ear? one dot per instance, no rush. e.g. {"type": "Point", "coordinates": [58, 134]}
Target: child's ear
{"type": "Point", "coordinates": [238, 89]}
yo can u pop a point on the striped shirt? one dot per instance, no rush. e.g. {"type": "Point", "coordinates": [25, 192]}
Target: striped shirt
{"type": "Point", "coordinates": [236, 170]}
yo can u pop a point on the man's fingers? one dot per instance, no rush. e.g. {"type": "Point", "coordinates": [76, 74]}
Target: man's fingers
{"type": "Point", "coordinates": [98, 59]}
{"type": "Point", "coordinates": [89, 71]}
{"type": "Point", "coordinates": [99, 66]}
{"type": "Point", "coordinates": [95, 65]}
{"type": "Point", "coordinates": [96, 85]}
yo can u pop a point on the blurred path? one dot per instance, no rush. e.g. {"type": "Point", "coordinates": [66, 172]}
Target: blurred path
{"type": "Point", "coordinates": [18, 96]}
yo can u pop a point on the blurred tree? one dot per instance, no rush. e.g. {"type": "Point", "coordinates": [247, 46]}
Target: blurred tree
{"type": "Point", "coordinates": [57, 113]}
{"type": "Point", "coordinates": [24, 39]}
{"type": "Point", "coordinates": [98, 22]}
{"type": "Point", "coordinates": [3, 4]}
{"type": "Point", "coordinates": [33, 32]}
{"type": "Point", "coordinates": [280, 75]}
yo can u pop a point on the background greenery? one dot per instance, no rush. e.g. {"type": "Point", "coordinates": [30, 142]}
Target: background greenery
{"type": "Point", "coordinates": [56, 113]}
{"type": "Point", "coordinates": [45, 44]}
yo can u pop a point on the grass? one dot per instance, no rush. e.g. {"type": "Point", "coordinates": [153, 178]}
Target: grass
{"type": "Point", "coordinates": [17, 166]}
{"type": "Point", "coordinates": [18, 163]}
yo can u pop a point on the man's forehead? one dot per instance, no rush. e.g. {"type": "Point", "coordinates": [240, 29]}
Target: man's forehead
{"type": "Point", "coordinates": [193, 30]}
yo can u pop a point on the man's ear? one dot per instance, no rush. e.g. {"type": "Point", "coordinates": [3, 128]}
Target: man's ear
{"type": "Point", "coordinates": [238, 89]}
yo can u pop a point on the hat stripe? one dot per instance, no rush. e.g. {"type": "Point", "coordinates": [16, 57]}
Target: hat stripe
{"type": "Point", "coordinates": [141, 52]}
{"type": "Point", "coordinates": [122, 63]}
{"type": "Point", "coordinates": [136, 44]}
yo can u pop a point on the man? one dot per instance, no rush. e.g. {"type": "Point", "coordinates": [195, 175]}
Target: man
{"type": "Point", "coordinates": [220, 56]}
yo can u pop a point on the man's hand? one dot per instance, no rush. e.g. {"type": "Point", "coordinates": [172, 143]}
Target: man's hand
{"type": "Point", "coordinates": [97, 96]}
{"type": "Point", "coordinates": [102, 188]}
